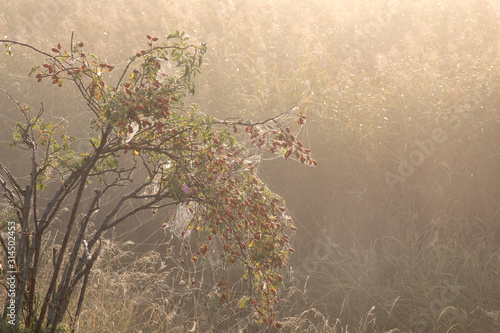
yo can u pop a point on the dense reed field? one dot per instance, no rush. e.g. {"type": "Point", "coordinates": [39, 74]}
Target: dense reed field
{"type": "Point", "coordinates": [399, 225]}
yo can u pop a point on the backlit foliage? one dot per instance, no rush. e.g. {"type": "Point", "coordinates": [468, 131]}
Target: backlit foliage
{"type": "Point", "coordinates": [191, 159]}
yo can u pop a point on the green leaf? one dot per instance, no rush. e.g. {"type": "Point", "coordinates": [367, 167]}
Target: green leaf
{"type": "Point", "coordinates": [243, 303]}
{"type": "Point", "coordinates": [33, 70]}
{"type": "Point", "coordinates": [8, 49]}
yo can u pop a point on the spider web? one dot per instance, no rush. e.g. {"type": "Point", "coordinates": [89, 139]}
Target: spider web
{"type": "Point", "coordinates": [182, 217]}
{"type": "Point", "coordinates": [254, 155]}
{"type": "Point", "coordinates": [179, 225]}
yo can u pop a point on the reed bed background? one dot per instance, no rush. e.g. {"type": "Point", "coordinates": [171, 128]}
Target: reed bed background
{"type": "Point", "coordinates": [399, 225]}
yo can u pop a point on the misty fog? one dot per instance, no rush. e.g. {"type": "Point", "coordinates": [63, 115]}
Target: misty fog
{"type": "Point", "coordinates": [402, 212]}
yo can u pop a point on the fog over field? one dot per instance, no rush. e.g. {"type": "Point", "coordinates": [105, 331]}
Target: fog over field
{"type": "Point", "coordinates": [398, 225]}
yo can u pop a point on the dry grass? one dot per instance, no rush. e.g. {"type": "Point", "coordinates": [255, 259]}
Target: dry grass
{"type": "Point", "coordinates": [417, 255]}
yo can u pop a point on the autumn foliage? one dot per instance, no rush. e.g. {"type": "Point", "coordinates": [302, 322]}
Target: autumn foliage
{"type": "Point", "coordinates": [191, 159]}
